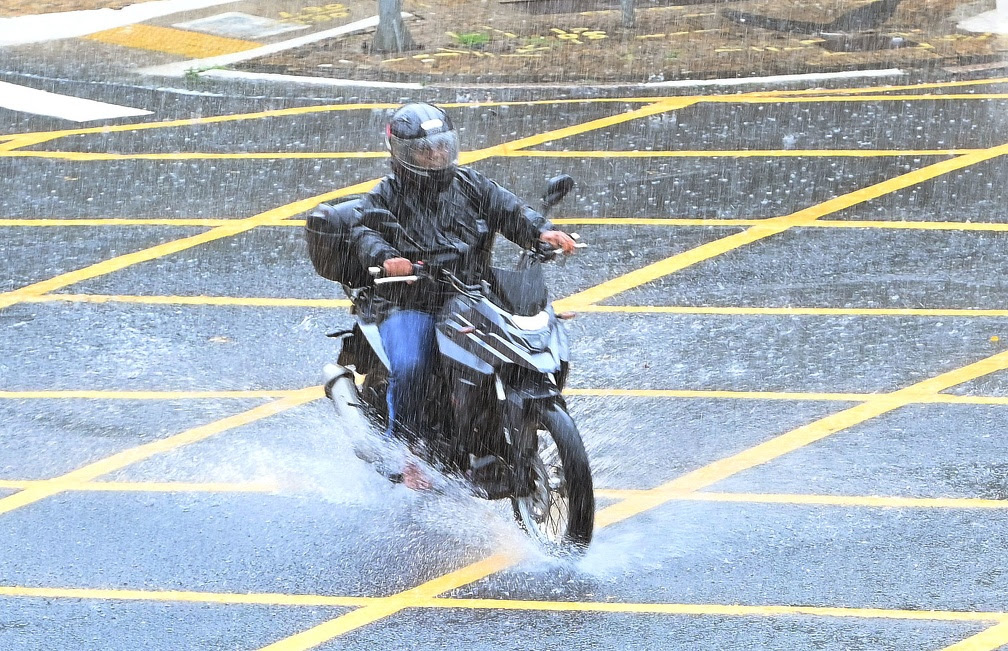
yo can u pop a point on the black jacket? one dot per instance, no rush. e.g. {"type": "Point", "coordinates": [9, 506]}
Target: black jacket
{"type": "Point", "coordinates": [454, 228]}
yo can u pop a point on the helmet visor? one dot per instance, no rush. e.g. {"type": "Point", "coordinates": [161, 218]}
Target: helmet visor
{"type": "Point", "coordinates": [431, 153]}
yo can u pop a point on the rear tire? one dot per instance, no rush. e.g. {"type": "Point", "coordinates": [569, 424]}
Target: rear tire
{"type": "Point", "coordinates": [560, 511]}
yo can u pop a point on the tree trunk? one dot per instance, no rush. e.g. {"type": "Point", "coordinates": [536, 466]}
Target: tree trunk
{"type": "Point", "coordinates": [629, 19]}
{"type": "Point", "coordinates": [392, 35]}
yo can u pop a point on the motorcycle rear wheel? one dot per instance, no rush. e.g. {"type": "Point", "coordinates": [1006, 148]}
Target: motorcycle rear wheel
{"type": "Point", "coordinates": [559, 513]}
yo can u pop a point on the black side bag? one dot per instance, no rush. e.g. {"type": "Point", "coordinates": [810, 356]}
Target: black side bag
{"type": "Point", "coordinates": [327, 231]}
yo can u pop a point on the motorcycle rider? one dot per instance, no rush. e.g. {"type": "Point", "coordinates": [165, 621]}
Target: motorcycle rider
{"type": "Point", "coordinates": [444, 214]}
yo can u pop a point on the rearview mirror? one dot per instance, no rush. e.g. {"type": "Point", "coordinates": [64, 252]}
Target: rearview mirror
{"type": "Point", "coordinates": [556, 189]}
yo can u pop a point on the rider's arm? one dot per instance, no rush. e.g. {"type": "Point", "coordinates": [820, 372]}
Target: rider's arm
{"type": "Point", "coordinates": [505, 213]}
{"type": "Point", "coordinates": [372, 249]}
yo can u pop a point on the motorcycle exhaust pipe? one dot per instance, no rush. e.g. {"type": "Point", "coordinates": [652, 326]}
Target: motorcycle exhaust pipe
{"type": "Point", "coordinates": [341, 389]}
{"type": "Point", "coordinates": [367, 445]}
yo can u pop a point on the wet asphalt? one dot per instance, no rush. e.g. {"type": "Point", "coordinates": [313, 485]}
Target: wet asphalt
{"type": "Point", "coordinates": [326, 525]}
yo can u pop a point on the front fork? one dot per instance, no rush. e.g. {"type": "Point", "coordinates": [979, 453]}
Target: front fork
{"type": "Point", "coordinates": [521, 406]}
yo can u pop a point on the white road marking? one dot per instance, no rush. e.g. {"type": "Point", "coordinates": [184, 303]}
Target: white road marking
{"type": "Point", "coordinates": [31, 100]}
{"type": "Point", "coordinates": [21, 30]}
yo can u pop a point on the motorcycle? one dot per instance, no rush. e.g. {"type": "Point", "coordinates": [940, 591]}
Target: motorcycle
{"type": "Point", "coordinates": [503, 360]}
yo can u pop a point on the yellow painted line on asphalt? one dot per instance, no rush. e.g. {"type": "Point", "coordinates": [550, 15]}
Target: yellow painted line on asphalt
{"type": "Point", "coordinates": [653, 498]}
{"type": "Point", "coordinates": [265, 599]}
{"type": "Point", "coordinates": [852, 99]}
{"type": "Point", "coordinates": [81, 394]}
{"type": "Point", "coordinates": [887, 89]}
{"type": "Point", "coordinates": [386, 606]}
{"type": "Point", "coordinates": [238, 301]}
{"type": "Point", "coordinates": [713, 394]}
{"type": "Point", "coordinates": [113, 221]}
{"type": "Point", "coordinates": [868, 501]}
{"type": "Point", "coordinates": [798, 438]}
{"type": "Point", "coordinates": [735, 153]}
{"type": "Point", "coordinates": [561, 221]}
{"type": "Point", "coordinates": [279, 599]}
{"type": "Point", "coordinates": [995, 637]}
{"type": "Point", "coordinates": [123, 261]}
{"type": "Point", "coordinates": [304, 205]}
{"type": "Point", "coordinates": [130, 456]}
{"type": "Point", "coordinates": [144, 487]}
{"type": "Point", "coordinates": [84, 156]}
{"type": "Point", "coordinates": [771, 226]}
{"type": "Point", "coordinates": [193, 45]}
{"type": "Point", "coordinates": [308, 155]}
{"type": "Point", "coordinates": [38, 137]}
{"type": "Point", "coordinates": [792, 311]}
{"type": "Point", "coordinates": [718, 610]}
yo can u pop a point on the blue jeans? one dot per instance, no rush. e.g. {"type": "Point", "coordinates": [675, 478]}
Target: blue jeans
{"type": "Point", "coordinates": [408, 339]}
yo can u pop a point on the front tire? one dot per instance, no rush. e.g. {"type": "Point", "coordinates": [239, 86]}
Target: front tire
{"type": "Point", "coordinates": [560, 510]}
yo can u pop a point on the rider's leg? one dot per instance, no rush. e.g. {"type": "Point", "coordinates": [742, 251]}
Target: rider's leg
{"type": "Point", "coordinates": [408, 339]}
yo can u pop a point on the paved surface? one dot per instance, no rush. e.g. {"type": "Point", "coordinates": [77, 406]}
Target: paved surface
{"type": "Point", "coordinates": [790, 374]}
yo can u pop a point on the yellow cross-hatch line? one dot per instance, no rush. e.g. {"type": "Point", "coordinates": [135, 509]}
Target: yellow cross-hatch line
{"type": "Point", "coordinates": [130, 456]}
{"type": "Point", "coordinates": [193, 45]}
{"type": "Point", "coordinates": [89, 156]}
{"type": "Point", "coordinates": [35, 138]}
{"type": "Point", "coordinates": [770, 227]}
{"type": "Point", "coordinates": [651, 499]}
{"type": "Point", "coordinates": [995, 637]}
{"type": "Point", "coordinates": [711, 222]}
{"type": "Point", "coordinates": [289, 210]}
{"type": "Point", "coordinates": [307, 600]}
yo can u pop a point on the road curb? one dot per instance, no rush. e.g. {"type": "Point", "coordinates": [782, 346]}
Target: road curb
{"type": "Point", "coordinates": [238, 75]}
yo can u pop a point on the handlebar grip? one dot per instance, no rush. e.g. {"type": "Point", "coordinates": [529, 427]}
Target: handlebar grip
{"type": "Point", "coordinates": [386, 280]}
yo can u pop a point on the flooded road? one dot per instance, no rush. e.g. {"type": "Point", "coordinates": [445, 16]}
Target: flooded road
{"type": "Point", "coordinates": [789, 371]}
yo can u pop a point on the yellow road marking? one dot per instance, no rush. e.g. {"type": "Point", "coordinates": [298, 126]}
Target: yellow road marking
{"type": "Point", "coordinates": [265, 599]}
{"type": "Point", "coordinates": [870, 501]}
{"type": "Point", "coordinates": [73, 394]}
{"type": "Point", "coordinates": [34, 138]}
{"type": "Point", "coordinates": [130, 456]}
{"type": "Point", "coordinates": [793, 311]}
{"type": "Point", "coordinates": [303, 205]}
{"type": "Point", "coordinates": [536, 153]}
{"type": "Point", "coordinates": [279, 599]}
{"type": "Point", "coordinates": [578, 221]}
{"type": "Point", "coordinates": [121, 262]}
{"type": "Point", "coordinates": [81, 394]}
{"type": "Point", "coordinates": [387, 606]}
{"type": "Point", "coordinates": [995, 637]}
{"type": "Point", "coordinates": [711, 609]}
{"type": "Point", "coordinates": [653, 498]}
{"type": "Point", "coordinates": [731, 153]}
{"type": "Point", "coordinates": [938, 398]}
{"type": "Point", "coordinates": [144, 487]}
{"type": "Point", "coordinates": [886, 89]}
{"type": "Point", "coordinates": [798, 438]}
{"type": "Point", "coordinates": [192, 45]}
{"type": "Point", "coordinates": [770, 227]}
{"type": "Point", "coordinates": [244, 301]}
{"type": "Point", "coordinates": [83, 156]}
{"type": "Point", "coordinates": [819, 223]}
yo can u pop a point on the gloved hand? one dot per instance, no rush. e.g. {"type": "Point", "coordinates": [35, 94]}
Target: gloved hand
{"type": "Point", "coordinates": [559, 240]}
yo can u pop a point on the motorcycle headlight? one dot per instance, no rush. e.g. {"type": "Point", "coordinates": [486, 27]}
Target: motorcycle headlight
{"type": "Point", "coordinates": [532, 323]}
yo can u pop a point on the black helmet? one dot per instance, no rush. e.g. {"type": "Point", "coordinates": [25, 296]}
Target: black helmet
{"type": "Point", "coordinates": [423, 145]}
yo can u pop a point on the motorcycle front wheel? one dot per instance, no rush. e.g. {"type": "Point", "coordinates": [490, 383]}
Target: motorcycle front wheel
{"type": "Point", "coordinates": [559, 512]}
